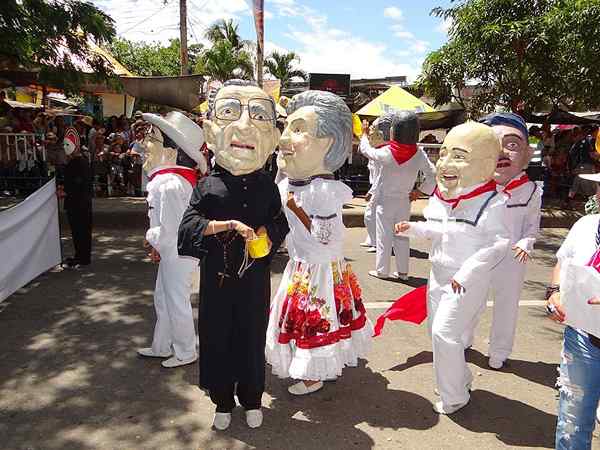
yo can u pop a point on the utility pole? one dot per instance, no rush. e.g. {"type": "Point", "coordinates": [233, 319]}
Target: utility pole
{"type": "Point", "coordinates": [183, 36]}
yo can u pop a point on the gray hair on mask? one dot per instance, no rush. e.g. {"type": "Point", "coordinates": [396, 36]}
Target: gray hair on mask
{"type": "Point", "coordinates": [212, 96]}
{"type": "Point", "coordinates": [384, 124]}
{"type": "Point", "coordinates": [334, 120]}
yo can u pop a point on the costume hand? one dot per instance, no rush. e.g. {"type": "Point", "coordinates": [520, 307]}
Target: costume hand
{"type": "Point", "coordinates": [457, 288]}
{"type": "Point", "coordinates": [521, 255]}
{"type": "Point", "coordinates": [558, 314]}
{"type": "Point", "coordinates": [154, 255]}
{"type": "Point", "coordinates": [414, 195]}
{"type": "Point", "coordinates": [365, 127]}
{"type": "Point", "coordinates": [594, 301]}
{"type": "Point", "coordinates": [291, 201]}
{"type": "Point", "coordinates": [401, 227]}
{"type": "Point", "coordinates": [244, 230]}
{"type": "Point", "coordinates": [263, 231]}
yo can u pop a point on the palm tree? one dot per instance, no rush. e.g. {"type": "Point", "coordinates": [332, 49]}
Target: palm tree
{"type": "Point", "coordinates": [227, 30]}
{"type": "Point", "coordinates": [279, 65]}
{"type": "Point", "coordinates": [221, 62]}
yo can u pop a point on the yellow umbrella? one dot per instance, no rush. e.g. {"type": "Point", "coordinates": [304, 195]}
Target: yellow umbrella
{"type": "Point", "coordinates": [201, 108]}
{"type": "Point", "coordinates": [356, 125]}
{"type": "Point", "coordinates": [394, 99]}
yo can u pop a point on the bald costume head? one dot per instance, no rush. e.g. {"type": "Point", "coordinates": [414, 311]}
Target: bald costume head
{"type": "Point", "coordinates": [468, 157]}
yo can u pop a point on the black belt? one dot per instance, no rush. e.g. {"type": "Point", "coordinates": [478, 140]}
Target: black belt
{"type": "Point", "coordinates": [307, 181]}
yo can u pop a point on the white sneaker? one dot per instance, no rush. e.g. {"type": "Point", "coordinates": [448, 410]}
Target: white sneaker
{"type": "Point", "coordinates": [254, 418]}
{"type": "Point", "coordinates": [440, 408]}
{"type": "Point", "coordinates": [221, 421]}
{"type": "Point", "coordinates": [400, 276]}
{"type": "Point", "coordinates": [371, 250]}
{"type": "Point", "coordinates": [176, 362]}
{"type": "Point", "coordinates": [381, 276]}
{"type": "Point", "coordinates": [496, 363]}
{"type": "Point", "coordinates": [302, 389]}
{"type": "Point", "coordinates": [149, 353]}
{"type": "Point", "coordinates": [365, 244]}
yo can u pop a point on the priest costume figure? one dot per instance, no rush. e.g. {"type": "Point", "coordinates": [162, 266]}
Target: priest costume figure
{"type": "Point", "coordinates": [235, 206]}
{"type": "Point", "coordinates": [466, 223]}
{"type": "Point", "coordinates": [400, 162]}
{"type": "Point", "coordinates": [523, 209]}
{"type": "Point", "coordinates": [172, 147]}
{"type": "Point", "coordinates": [318, 322]}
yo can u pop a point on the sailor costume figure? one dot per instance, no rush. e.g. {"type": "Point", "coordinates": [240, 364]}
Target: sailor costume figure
{"type": "Point", "coordinates": [466, 223]}
{"type": "Point", "coordinates": [523, 216]}
{"type": "Point", "coordinates": [400, 162]}
{"type": "Point", "coordinates": [172, 146]}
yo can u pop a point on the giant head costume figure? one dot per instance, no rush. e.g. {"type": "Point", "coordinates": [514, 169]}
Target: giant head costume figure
{"type": "Point", "coordinates": [400, 126]}
{"type": "Point", "coordinates": [317, 137]}
{"type": "Point", "coordinates": [516, 152]}
{"type": "Point", "coordinates": [172, 141]}
{"type": "Point", "coordinates": [468, 157]}
{"type": "Point", "coordinates": [241, 129]}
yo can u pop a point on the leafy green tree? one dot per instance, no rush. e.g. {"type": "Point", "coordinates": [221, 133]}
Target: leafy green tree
{"type": "Point", "coordinates": [46, 35]}
{"type": "Point", "coordinates": [280, 66]}
{"type": "Point", "coordinates": [521, 54]}
{"type": "Point", "coordinates": [221, 62]}
{"type": "Point", "coordinates": [229, 57]}
{"type": "Point", "coordinates": [152, 59]}
{"type": "Point", "coordinates": [227, 30]}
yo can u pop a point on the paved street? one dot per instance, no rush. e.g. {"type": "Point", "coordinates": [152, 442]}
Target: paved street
{"type": "Point", "coordinates": [70, 378]}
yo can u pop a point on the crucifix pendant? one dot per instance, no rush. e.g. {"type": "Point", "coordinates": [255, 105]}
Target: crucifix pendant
{"type": "Point", "coordinates": [222, 276]}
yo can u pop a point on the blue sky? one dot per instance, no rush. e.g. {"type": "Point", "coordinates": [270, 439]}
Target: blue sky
{"type": "Point", "coordinates": [373, 38]}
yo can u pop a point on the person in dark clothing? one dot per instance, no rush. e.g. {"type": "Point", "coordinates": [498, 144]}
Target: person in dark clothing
{"type": "Point", "coordinates": [582, 160]}
{"type": "Point", "coordinates": [78, 200]}
{"type": "Point", "coordinates": [236, 202]}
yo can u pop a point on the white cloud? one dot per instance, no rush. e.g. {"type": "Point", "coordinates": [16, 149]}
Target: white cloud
{"type": "Point", "coordinates": [418, 46]}
{"type": "Point", "coordinates": [391, 12]}
{"type": "Point", "coordinates": [444, 26]}
{"type": "Point", "coordinates": [268, 15]}
{"type": "Point", "coordinates": [150, 20]}
{"type": "Point", "coordinates": [404, 35]}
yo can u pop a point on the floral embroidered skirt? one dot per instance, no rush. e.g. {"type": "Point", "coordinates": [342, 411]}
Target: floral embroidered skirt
{"type": "Point", "coordinates": [318, 322]}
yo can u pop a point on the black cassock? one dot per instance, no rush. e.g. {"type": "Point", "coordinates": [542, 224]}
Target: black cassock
{"type": "Point", "coordinates": [233, 312]}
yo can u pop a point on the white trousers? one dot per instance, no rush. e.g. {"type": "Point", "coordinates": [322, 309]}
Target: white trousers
{"type": "Point", "coordinates": [505, 290]}
{"type": "Point", "coordinates": [174, 330]}
{"type": "Point", "coordinates": [370, 222]}
{"type": "Point", "coordinates": [449, 316]}
{"type": "Point", "coordinates": [388, 212]}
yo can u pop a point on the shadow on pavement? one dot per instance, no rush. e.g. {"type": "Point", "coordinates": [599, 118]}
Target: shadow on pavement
{"type": "Point", "coordinates": [414, 253]}
{"type": "Point", "coordinates": [69, 374]}
{"type": "Point", "coordinates": [514, 423]}
{"type": "Point", "coordinates": [332, 417]}
{"type": "Point", "coordinates": [536, 371]}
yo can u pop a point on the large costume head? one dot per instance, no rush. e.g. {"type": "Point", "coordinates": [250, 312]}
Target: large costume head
{"type": "Point", "coordinates": [400, 126]}
{"type": "Point", "coordinates": [241, 129]}
{"type": "Point", "coordinates": [317, 137]}
{"type": "Point", "coordinates": [516, 152]}
{"type": "Point", "coordinates": [468, 157]}
{"type": "Point", "coordinates": [171, 141]}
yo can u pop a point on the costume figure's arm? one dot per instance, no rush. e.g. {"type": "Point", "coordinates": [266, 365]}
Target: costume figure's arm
{"type": "Point", "coordinates": [423, 229]}
{"type": "Point", "coordinates": [428, 169]}
{"type": "Point", "coordinates": [193, 227]}
{"type": "Point", "coordinates": [531, 227]}
{"type": "Point", "coordinates": [164, 223]}
{"type": "Point", "coordinates": [277, 226]}
{"type": "Point", "coordinates": [379, 155]}
{"type": "Point", "coordinates": [487, 256]}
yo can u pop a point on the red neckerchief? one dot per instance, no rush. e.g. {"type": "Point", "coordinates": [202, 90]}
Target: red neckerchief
{"type": "Point", "coordinates": [189, 174]}
{"type": "Point", "coordinates": [515, 184]}
{"type": "Point", "coordinates": [402, 152]}
{"type": "Point", "coordinates": [383, 144]}
{"type": "Point", "coordinates": [490, 186]}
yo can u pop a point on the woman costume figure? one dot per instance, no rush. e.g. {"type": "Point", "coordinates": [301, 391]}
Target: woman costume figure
{"type": "Point", "coordinates": [317, 323]}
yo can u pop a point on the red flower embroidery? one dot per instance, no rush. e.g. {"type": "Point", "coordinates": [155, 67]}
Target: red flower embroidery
{"type": "Point", "coordinates": [346, 317]}
{"type": "Point", "coordinates": [324, 326]}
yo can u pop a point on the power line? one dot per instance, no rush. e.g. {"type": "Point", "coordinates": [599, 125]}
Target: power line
{"type": "Point", "coordinates": [144, 20]}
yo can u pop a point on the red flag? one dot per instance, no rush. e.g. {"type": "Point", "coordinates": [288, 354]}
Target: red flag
{"type": "Point", "coordinates": [411, 307]}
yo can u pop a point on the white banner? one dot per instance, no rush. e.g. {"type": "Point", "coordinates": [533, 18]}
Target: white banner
{"type": "Point", "coordinates": [29, 239]}
{"type": "Point", "coordinates": [578, 285]}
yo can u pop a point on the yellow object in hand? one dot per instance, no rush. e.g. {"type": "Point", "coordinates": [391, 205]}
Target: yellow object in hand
{"type": "Point", "coordinates": [258, 247]}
